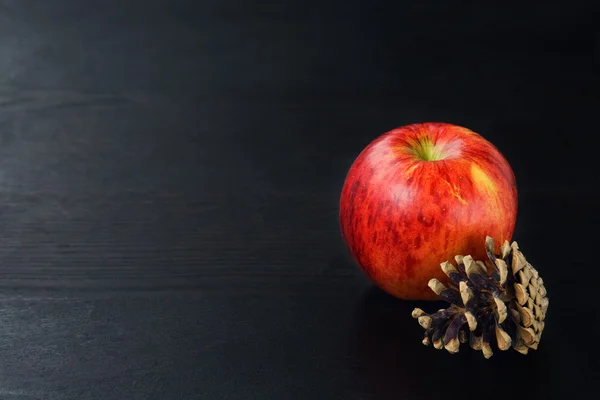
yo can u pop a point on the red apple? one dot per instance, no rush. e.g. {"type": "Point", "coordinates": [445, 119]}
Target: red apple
{"type": "Point", "coordinates": [417, 196]}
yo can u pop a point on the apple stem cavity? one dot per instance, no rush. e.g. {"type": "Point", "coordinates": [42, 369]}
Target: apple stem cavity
{"type": "Point", "coordinates": [425, 149]}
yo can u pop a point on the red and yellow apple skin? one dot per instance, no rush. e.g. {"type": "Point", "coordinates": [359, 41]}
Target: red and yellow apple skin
{"type": "Point", "coordinates": [417, 196]}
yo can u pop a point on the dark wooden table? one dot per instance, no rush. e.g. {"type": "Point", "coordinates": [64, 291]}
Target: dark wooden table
{"type": "Point", "coordinates": [169, 183]}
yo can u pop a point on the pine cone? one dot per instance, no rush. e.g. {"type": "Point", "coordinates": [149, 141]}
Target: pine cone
{"type": "Point", "coordinates": [502, 297]}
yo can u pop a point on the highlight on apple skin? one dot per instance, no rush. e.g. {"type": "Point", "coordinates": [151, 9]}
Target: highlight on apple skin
{"type": "Point", "coordinates": [417, 196]}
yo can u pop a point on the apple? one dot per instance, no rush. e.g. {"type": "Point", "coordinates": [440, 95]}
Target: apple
{"type": "Point", "coordinates": [417, 196]}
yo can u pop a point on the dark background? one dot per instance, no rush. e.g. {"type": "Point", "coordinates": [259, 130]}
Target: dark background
{"type": "Point", "coordinates": [169, 182]}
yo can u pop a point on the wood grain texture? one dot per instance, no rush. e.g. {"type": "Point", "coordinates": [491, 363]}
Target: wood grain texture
{"type": "Point", "coordinates": [169, 184]}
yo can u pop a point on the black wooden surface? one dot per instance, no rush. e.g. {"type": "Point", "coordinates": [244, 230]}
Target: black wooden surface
{"type": "Point", "coordinates": [169, 182]}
